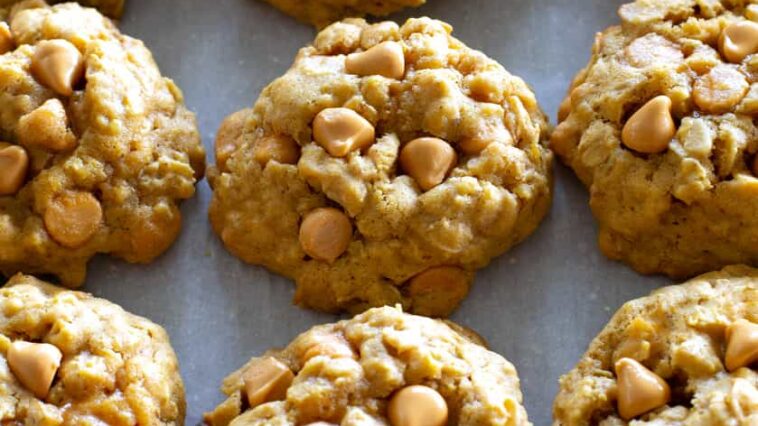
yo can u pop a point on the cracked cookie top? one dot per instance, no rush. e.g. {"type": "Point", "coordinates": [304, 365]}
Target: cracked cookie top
{"type": "Point", "coordinates": [661, 127]}
{"type": "Point", "coordinates": [386, 166]}
{"type": "Point", "coordinates": [69, 358]}
{"type": "Point", "coordinates": [685, 354]}
{"type": "Point", "coordinates": [381, 367]}
{"type": "Point", "coordinates": [96, 147]}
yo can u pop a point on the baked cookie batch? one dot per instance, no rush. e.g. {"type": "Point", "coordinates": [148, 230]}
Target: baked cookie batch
{"type": "Point", "coordinates": [387, 166]}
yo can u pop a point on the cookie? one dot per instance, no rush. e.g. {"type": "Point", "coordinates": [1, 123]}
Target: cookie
{"type": "Point", "coordinates": [111, 8]}
{"type": "Point", "coordinates": [386, 166]}
{"type": "Point", "coordinates": [383, 367]}
{"type": "Point", "coordinates": [660, 127]}
{"type": "Point", "coordinates": [323, 12]}
{"type": "Point", "coordinates": [69, 358]}
{"type": "Point", "coordinates": [96, 147]}
{"type": "Point", "coordinates": [685, 355]}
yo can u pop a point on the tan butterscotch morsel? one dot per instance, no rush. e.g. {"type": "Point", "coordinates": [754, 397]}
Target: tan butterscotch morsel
{"type": "Point", "coordinates": [14, 164]}
{"type": "Point", "coordinates": [739, 40]}
{"type": "Point", "coordinates": [385, 59]}
{"type": "Point", "coordinates": [325, 345]}
{"type": "Point", "coordinates": [417, 406]}
{"type": "Point", "coordinates": [59, 65]}
{"type": "Point", "coordinates": [437, 287]}
{"type": "Point", "coordinates": [73, 218]}
{"type": "Point", "coordinates": [639, 389]}
{"type": "Point", "coordinates": [720, 90]}
{"type": "Point", "coordinates": [47, 128]}
{"type": "Point", "coordinates": [742, 344]}
{"type": "Point", "coordinates": [650, 129]}
{"type": "Point", "coordinates": [34, 365]}
{"type": "Point", "coordinates": [341, 131]}
{"type": "Point", "coordinates": [679, 356]}
{"type": "Point", "coordinates": [325, 234]}
{"type": "Point", "coordinates": [428, 161]}
{"type": "Point", "coordinates": [406, 370]}
{"type": "Point", "coordinates": [282, 149]}
{"type": "Point", "coordinates": [266, 381]}
{"type": "Point", "coordinates": [6, 38]}
{"type": "Point", "coordinates": [228, 138]}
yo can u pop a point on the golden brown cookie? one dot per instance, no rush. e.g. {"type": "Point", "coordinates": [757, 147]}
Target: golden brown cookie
{"type": "Point", "coordinates": [661, 127]}
{"type": "Point", "coordinates": [685, 355]}
{"type": "Point", "coordinates": [386, 166]}
{"type": "Point", "coordinates": [96, 147]}
{"type": "Point", "coordinates": [67, 358]}
{"type": "Point", "coordinates": [382, 367]}
{"type": "Point", "coordinates": [323, 12]}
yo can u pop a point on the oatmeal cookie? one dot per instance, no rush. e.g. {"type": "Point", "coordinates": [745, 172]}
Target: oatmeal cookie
{"type": "Point", "coordinates": [69, 358]}
{"type": "Point", "coordinates": [685, 355]}
{"type": "Point", "coordinates": [323, 12]}
{"type": "Point", "coordinates": [661, 127]}
{"type": "Point", "coordinates": [382, 367]}
{"type": "Point", "coordinates": [96, 147]}
{"type": "Point", "coordinates": [386, 166]}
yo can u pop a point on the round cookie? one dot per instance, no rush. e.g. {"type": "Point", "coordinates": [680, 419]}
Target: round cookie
{"type": "Point", "coordinates": [323, 12]}
{"type": "Point", "coordinates": [386, 166]}
{"type": "Point", "coordinates": [96, 147]}
{"type": "Point", "coordinates": [660, 127]}
{"type": "Point", "coordinates": [685, 355]}
{"type": "Point", "coordinates": [383, 367]}
{"type": "Point", "coordinates": [69, 358]}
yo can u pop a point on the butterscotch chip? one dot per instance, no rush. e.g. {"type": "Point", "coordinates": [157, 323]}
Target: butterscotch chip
{"type": "Point", "coordinates": [58, 65]}
{"type": "Point", "coordinates": [87, 110]}
{"type": "Point", "coordinates": [6, 38]}
{"type": "Point", "coordinates": [69, 358]}
{"type": "Point", "coordinates": [385, 59]}
{"type": "Point", "coordinates": [720, 90]}
{"type": "Point", "coordinates": [73, 218]}
{"type": "Point", "coordinates": [417, 406]}
{"type": "Point", "coordinates": [47, 128]}
{"type": "Point", "coordinates": [678, 353]}
{"type": "Point", "coordinates": [741, 344]}
{"type": "Point", "coordinates": [14, 164]}
{"type": "Point", "coordinates": [430, 153]}
{"type": "Point", "coordinates": [651, 128]}
{"type": "Point", "coordinates": [266, 381]}
{"type": "Point", "coordinates": [639, 389]}
{"type": "Point", "coordinates": [34, 365]}
{"type": "Point", "coordinates": [661, 134]}
{"type": "Point", "coordinates": [408, 371]}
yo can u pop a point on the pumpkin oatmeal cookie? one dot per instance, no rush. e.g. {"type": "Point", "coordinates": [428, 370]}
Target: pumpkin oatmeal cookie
{"type": "Point", "coordinates": [386, 166]}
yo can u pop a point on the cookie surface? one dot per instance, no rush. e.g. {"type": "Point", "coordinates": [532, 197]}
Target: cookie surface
{"type": "Point", "coordinates": [97, 148]}
{"type": "Point", "coordinates": [355, 372]}
{"type": "Point", "coordinates": [370, 190]}
{"type": "Point", "coordinates": [697, 337]}
{"type": "Point", "coordinates": [111, 8]}
{"type": "Point", "coordinates": [323, 12]}
{"type": "Point", "coordinates": [116, 368]}
{"type": "Point", "coordinates": [660, 127]}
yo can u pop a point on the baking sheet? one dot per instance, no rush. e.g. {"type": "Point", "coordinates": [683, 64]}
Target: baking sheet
{"type": "Point", "coordinates": [538, 305]}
